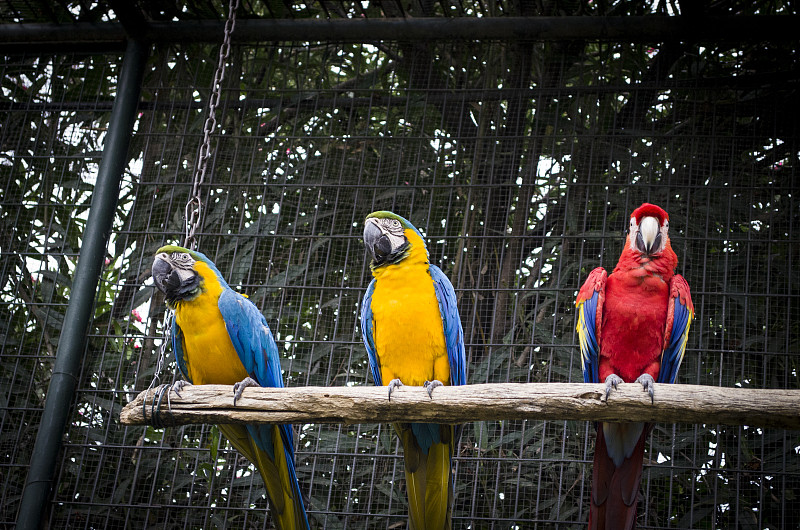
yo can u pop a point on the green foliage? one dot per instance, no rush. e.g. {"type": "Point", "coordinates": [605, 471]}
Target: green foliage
{"type": "Point", "coordinates": [520, 162]}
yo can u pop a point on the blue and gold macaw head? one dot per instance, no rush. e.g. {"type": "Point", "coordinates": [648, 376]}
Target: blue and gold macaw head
{"type": "Point", "coordinates": [390, 238]}
{"type": "Point", "coordinates": [181, 273]}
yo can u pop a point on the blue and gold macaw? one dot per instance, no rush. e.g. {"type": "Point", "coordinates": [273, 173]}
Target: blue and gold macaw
{"type": "Point", "coordinates": [413, 335]}
{"type": "Point", "coordinates": [220, 337]}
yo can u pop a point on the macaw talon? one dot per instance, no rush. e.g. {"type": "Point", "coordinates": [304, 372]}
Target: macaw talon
{"type": "Point", "coordinates": [647, 382]}
{"type": "Point", "coordinates": [179, 385]}
{"type": "Point", "coordinates": [239, 387]}
{"type": "Point", "coordinates": [612, 381]}
{"type": "Point", "coordinates": [430, 385]}
{"type": "Point", "coordinates": [394, 383]}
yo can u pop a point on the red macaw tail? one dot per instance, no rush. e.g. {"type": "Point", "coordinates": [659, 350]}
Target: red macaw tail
{"type": "Point", "coordinates": [616, 475]}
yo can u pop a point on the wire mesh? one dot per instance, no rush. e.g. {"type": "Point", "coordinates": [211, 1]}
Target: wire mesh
{"type": "Point", "coordinates": [520, 162]}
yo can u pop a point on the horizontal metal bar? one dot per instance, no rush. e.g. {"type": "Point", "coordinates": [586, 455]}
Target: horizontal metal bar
{"type": "Point", "coordinates": [330, 97]}
{"type": "Point", "coordinates": [650, 29]}
{"type": "Point", "coordinates": [86, 37]}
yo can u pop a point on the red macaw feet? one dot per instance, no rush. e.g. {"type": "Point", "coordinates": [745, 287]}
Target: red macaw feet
{"type": "Point", "coordinates": [647, 382]}
{"type": "Point", "coordinates": [612, 381]}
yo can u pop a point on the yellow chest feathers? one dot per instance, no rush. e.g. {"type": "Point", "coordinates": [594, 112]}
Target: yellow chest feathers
{"type": "Point", "coordinates": [207, 349]}
{"type": "Point", "coordinates": [407, 325]}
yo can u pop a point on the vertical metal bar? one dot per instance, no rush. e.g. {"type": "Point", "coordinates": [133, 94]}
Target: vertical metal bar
{"type": "Point", "coordinates": [87, 274]}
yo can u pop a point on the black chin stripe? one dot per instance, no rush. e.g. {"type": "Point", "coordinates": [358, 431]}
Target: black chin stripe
{"type": "Point", "coordinates": [175, 291]}
{"type": "Point", "coordinates": [394, 258]}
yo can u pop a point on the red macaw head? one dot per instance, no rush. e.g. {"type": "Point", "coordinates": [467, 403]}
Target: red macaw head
{"type": "Point", "coordinates": [648, 243]}
{"type": "Point", "coordinates": [649, 230]}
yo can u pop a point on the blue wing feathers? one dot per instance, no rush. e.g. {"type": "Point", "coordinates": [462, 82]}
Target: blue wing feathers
{"type": "Point", "coordinates": [252, 338]}
{"type": "Point", "coordinates": [429, 433]}
{"type": "Point", "coordinates": [673, 354]}
{"type": "Point", "coordinates": [253, 341]}
{"type": "Point", "coordinates": [587, 334]}
{"type": "Point", "coordinates": [366, 333]}
{"type": "Point", "coordinates": [451, 322]}
{"type": "Point", "coordinates": [177, 348]}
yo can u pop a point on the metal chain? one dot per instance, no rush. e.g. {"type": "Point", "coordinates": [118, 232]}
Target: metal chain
{"type": "Point", "coordinates": [194, 207]}
{"type": "Point", "coordinates": [162, 355]}
{"type": "Point", "coordinates": [162, 350]}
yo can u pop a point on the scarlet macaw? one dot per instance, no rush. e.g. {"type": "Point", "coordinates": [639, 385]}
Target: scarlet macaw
{"type": "Point", "coordinates": [413, 335]}
{"type": "Point", "coordinates": [632, 326]}
{"type": "Point", "coordinates": [220, 337]}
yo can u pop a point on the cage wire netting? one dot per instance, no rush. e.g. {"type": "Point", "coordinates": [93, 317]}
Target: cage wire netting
{"type": "Point", "coordinates": [519, 162]}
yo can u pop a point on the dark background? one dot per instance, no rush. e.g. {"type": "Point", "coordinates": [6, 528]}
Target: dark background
{"type": "Point", "coordinates": [519, 161]}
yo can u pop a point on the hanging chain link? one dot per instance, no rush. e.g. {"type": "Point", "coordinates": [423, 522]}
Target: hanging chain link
{"type": "Point", "coordinates": [194, 207]}
{"type": "Point", "coordinates": [162, 355]}
{"type": "Point", "coordinates": [169, 316]}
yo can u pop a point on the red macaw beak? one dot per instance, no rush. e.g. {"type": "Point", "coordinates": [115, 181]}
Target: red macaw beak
{"type": "Point", "coordinates": [648, 238]}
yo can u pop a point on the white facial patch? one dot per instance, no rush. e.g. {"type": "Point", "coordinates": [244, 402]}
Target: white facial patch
{"type": "Point", "coordinates": [181, 261]}
{"type": "Point", "coordinates": [648, 230]}
{"type": "Point", "coordinates": [393, 229]}
{"type": "Point", "coordinates": [634, 228]}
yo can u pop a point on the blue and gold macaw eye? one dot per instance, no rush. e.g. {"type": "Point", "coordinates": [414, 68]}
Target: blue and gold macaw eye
{"type": "Point", "coordinates": [181, 258]}
{"type": "Point", "coordinates": [392, 225]}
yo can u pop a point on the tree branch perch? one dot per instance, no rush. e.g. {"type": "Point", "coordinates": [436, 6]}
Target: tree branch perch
{"type": "Point", "coordinates": [538, 401]}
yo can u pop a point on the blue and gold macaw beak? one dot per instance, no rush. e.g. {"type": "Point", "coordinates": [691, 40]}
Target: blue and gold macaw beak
{"type": "Point", "coordinates": [378, 242]}
{"type": "Point", "coordinates": [177, 283]}
{"type": "Point", "coordinates": [161, 270]}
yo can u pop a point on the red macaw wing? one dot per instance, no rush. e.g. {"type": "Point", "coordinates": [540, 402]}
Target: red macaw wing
{"type": "Point", "coordinates": [679, 318]}
{"type": "Point", "coordinates": [590, 316]}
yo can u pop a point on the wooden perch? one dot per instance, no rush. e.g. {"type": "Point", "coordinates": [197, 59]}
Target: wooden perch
{"type": "Point", "coordinates": [506, 401]}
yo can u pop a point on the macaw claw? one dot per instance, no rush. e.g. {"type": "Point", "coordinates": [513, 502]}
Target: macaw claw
{"type": "Point", "coordinates": [239, 387]}
{"type": "Point", "coordinates": [430, 385]}
{"type": "Point", "coordinates": [394, 383]}
{"type": "Point", "coordinates": [647, 382]}
{"type": "Point", "coordinates": [179, 385]}
{"type": "Point", "coordinates": [612, 381]}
